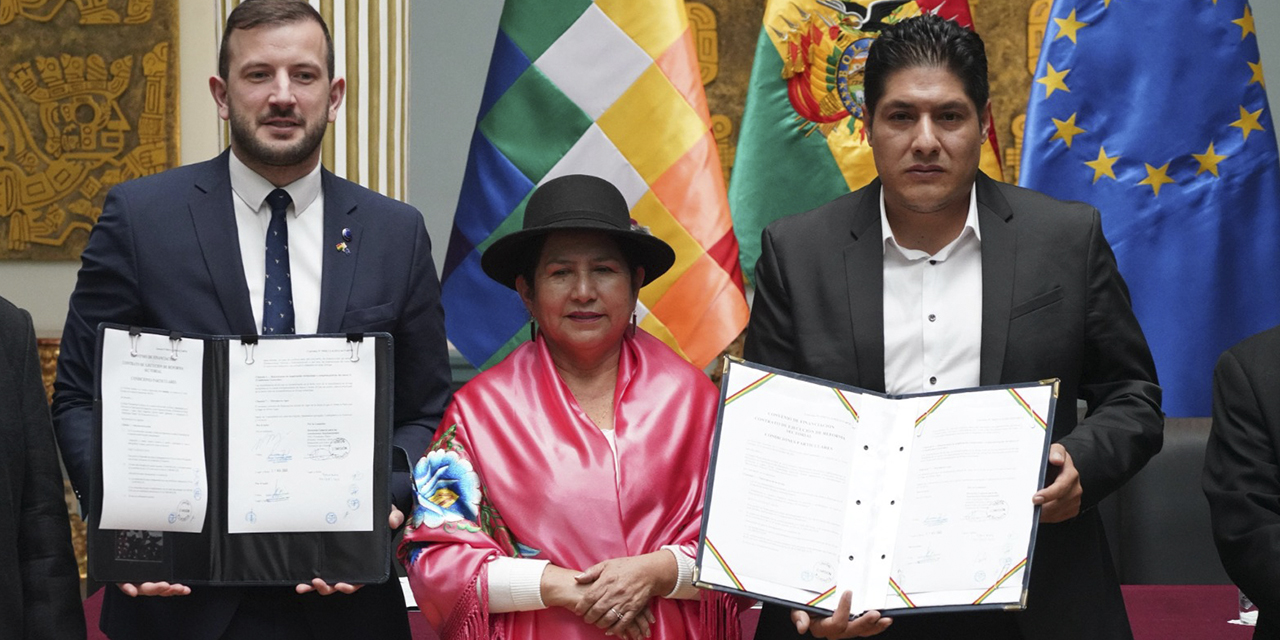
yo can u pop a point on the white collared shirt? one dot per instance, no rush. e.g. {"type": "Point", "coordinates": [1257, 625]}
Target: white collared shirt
{"type": "Point", "coordinates": [305, 218]}
{"type": "Point", "coordinates": [933, 311]}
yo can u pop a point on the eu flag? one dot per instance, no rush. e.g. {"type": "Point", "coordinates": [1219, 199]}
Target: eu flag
{"type": "Point", "coordinates": [1156, 113]}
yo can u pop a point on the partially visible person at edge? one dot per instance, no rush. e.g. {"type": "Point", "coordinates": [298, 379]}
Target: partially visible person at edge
{"type": "Point", "coordinates": [187, 250]}
{"type": "Point", "coordinates": [1242, 472]}
{"type": "Point", "coordinates": [39, 580]}
{"type": "Point", "coordinates": [563, 493]}
{"type": "Point", "coordinates": [936, 277]}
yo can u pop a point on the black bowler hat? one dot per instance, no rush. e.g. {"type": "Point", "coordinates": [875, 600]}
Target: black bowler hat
{"type": "Point", "coordinates": [575, 203]}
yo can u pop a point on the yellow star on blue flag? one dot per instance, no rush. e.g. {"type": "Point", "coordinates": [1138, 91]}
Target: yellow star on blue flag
{"type": "Point", "coordinates": [1162, 104]}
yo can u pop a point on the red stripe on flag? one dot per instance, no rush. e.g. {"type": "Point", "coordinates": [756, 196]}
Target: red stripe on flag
{"type": "Point", "coordinates": [725, 253]}
{"type": "Point", "coordinates": [703, 311]}
{"type": "Point", "coordinates": [957, 10]}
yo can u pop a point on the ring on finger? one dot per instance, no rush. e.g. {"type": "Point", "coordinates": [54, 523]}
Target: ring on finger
{"type": "Point", "coordinates": [615, 612]}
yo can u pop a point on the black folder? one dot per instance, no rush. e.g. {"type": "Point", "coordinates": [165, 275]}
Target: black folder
{"type": "Point", "coordinates": [216, 557]}
{"type": "Point", "coordinates": [1005, 580]}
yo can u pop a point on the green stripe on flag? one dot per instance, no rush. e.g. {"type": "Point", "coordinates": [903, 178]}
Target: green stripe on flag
{"type": "Point", "coordinates": [533, 124]}
{"type": "Point", "coordinates": [535, 24]}
{"type": "Point", "coordinates": [777, 170]}
{"type": "Point", "coordinates": [513, 222]}
{"type": "Point", "coordinates": [518, 339]}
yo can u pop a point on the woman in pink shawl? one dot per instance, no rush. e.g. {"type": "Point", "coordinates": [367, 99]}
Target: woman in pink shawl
{"type": "Point", "coordinates": [563, 493]}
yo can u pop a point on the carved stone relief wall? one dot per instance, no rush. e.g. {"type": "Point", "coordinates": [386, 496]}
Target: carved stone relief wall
{"type": "Point", "coordinates": [88, 99]}
{"type": "Point", "coordinates": [1012, 31]}
{"type": "Point", "coordinates": [725, 33]}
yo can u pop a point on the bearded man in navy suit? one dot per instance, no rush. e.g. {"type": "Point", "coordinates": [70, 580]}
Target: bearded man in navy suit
{"type": "Point", "coordinates": [186, 250]}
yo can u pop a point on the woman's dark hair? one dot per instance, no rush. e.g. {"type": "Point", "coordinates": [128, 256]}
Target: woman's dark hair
{"type": "Point", "coordinates": [529, 258]}
{"type": "Point", "coordinates": [533, 252]}
{"type": "Point", "coordinates": [927, 41]}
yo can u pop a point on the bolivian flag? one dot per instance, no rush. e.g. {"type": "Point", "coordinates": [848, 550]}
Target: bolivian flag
{"type": "Point", "coordinates": [801, 143]}
{"type": "Point", "coordinates": [612, 89]}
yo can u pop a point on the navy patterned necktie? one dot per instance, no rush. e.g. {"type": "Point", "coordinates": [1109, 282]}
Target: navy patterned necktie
{"type": "Point", "coordinates": [277, 297]}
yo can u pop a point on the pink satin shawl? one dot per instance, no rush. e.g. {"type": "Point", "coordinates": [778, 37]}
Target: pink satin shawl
{"type": "Point", "coordinates": [545, 486]}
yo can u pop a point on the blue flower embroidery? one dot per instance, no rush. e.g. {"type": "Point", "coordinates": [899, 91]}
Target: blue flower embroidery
{"type": "Point", "coordinates": [448, 489]}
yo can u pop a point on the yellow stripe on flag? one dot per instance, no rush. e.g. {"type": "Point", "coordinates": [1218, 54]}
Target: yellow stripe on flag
{"type": "Point", "coordinates": [652, 99]}
{"type": "Point", "coordinates": [653, 26]}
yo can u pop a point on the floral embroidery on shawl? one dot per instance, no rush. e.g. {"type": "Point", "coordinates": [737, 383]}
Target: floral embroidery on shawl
{"type": "Point", "coordinates": [450, 495]}
{"type": "Point", "coordinates": [448, 490]}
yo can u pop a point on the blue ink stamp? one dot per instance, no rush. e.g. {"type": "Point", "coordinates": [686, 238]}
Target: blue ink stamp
{"type": "Point", "coordinates": [331, 518]}
{"type": "Point", "coordinates": [173, 517]}
{"type": "Point", "coordinates": [184, 511]}
{"type": "Point", "coordinates": [339, 448]}
{"type": "Point", "coordinates": [251, 517]}
{"type": "Point", "coordinates": [353, 504]}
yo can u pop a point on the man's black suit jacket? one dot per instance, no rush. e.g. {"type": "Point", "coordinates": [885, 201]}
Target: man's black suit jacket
{"type": "Point", "coordinates": [1053, 305]}
{"type": "Point", "coordinates": [39, 581]}
{"type": "Point", "coordinates": [165, 254]}
{"type": "Point", "coordinates": [1242, 472]}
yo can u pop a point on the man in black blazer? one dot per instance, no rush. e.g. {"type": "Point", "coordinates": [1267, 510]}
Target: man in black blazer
{"type": "Point", "coordinates": [935, 277]}
{"type": "Point", "coordinates": [189, 250]}
{"type": "Point", "coordinates": [39, 581]}
{"type": "Point", "coordinates": [1242, 472]}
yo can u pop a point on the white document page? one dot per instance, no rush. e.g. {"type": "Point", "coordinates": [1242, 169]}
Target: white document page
{"type": "Point", "coordinates": [153, 464]}
{"type": "Point", "coordinates": [780, 481]}
{"type": "Point", "coordinates": [301, 437]}
{"type": "Point", "coordinates": [967, 517]}
{"type": "Point", "coordinates": [877, 483]}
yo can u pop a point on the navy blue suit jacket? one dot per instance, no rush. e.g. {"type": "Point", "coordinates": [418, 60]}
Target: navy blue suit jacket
{"type": "Point", "coordinates": [165, 254]}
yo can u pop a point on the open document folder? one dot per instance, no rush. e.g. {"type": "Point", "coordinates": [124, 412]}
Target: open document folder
{"type": "Point", "coordinates": [918, 502]}
{"type": "Point", "coordinates": [241, 459]}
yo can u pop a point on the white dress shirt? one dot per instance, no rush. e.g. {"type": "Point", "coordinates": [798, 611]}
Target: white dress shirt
{"type": "Point", "coordinates": [305, 219]}
{"type": "Point", "coordinates": [933, 311]}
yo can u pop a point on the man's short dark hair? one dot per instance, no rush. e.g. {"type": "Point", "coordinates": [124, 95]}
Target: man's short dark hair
{"type": "Point", "coordinates": [927, 41]}
{"type": "Point", "coordinates": [255, 13]}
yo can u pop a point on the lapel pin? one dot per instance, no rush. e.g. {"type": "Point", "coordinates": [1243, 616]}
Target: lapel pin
{"type": "Point", "coordinates": [346, 234]}
{"type": "Point", "coordinates": [342, 246]}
